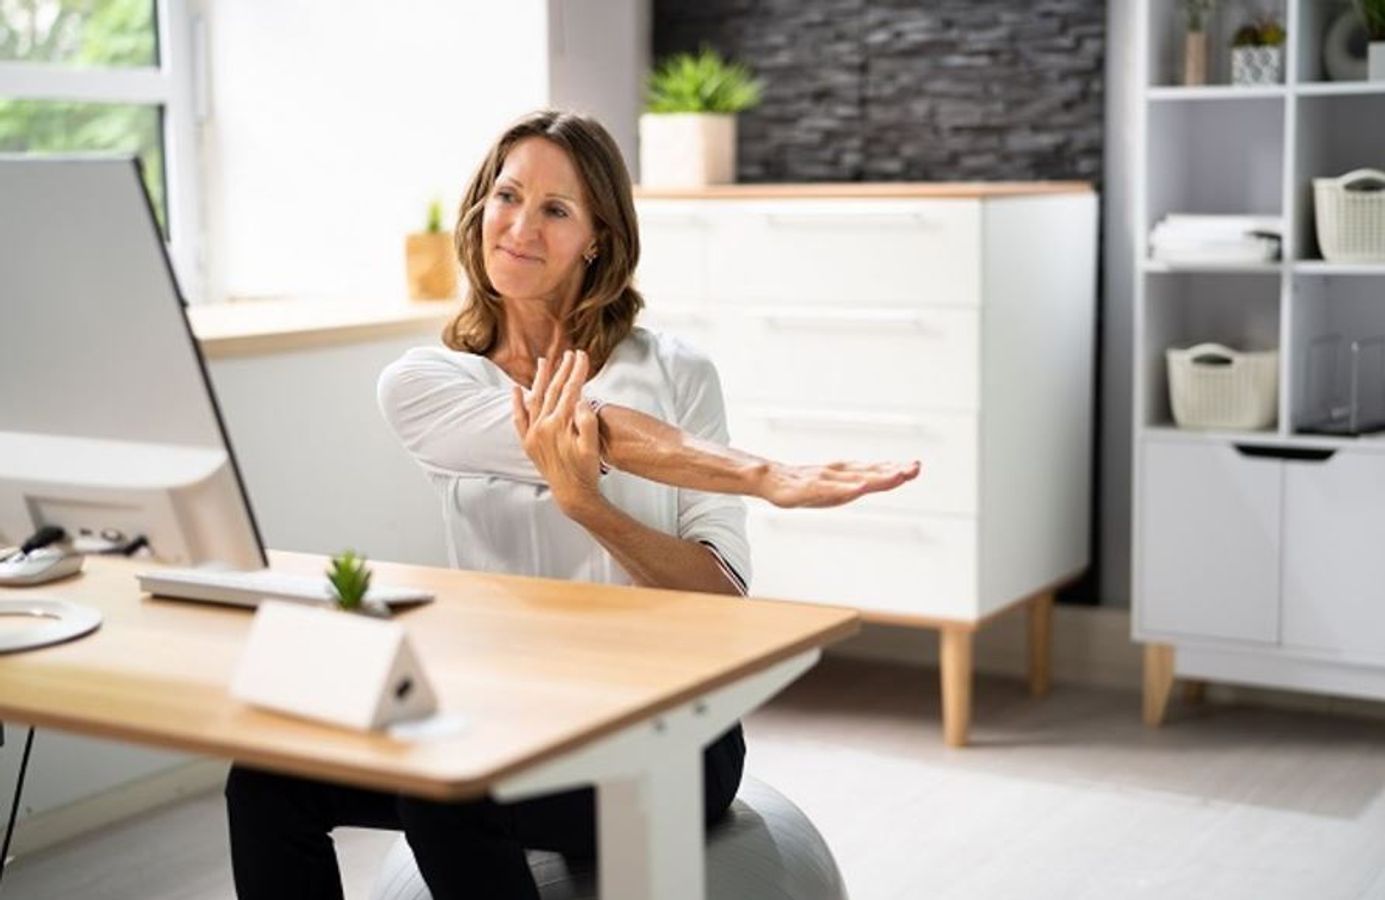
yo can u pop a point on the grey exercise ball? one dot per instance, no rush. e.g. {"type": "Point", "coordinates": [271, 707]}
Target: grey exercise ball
{"type": "Point", "coordinates": [765, 848]}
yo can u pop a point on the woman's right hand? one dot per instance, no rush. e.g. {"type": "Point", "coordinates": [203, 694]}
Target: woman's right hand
{"type": "Point", "coordinates": [833, 484]}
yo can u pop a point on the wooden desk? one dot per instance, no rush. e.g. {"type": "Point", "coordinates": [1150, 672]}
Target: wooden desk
{"type": "Point", "coordinates": [564, 684]}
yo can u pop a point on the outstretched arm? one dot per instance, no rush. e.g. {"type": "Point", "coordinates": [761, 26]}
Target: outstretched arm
{"type": "Point", "coordinates": [645, 446]}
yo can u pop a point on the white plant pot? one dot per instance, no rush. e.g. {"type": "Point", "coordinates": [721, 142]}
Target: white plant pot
{"type": "Point", "coordinates": [687, 149]}
{"type": "Point", "coordinates": [1375, 61]}
{"type": "Point", "coordinates": [332, 666]}
{"type": "Point", "coordinates": [1257, 65]}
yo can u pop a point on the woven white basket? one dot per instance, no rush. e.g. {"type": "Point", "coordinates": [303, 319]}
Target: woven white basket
{"type": "Point", "coordinates": [1350, 213]}
{"type": "Point", "coordinates": [1213, 386]}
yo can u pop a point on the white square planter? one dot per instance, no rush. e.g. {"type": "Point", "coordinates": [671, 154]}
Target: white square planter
{"type": "Point", "coordinates": [1257, 65]}
{"type": "Point", "coordinates": [687, 149]}
{"type": "Point", "coordinates": [1375, 61]}
{"type": "Point", "coordinates": [333, 666]}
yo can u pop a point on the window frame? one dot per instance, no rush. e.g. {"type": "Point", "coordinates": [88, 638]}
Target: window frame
{"type": "Point", "coordinates": [174, 84]}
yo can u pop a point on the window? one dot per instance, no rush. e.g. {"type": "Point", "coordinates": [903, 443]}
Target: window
{"type": "Point", "coordinates": [108, 75]}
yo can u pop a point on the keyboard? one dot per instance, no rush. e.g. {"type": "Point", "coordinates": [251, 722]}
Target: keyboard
{"type": "Point", "coordinates": [249, 588]}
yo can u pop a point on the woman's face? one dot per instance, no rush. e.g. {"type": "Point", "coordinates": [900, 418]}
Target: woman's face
{"type": "Point", "coordinates": [536, 225]}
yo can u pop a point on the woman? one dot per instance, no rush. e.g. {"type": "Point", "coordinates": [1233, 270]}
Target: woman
{"type": "Point", "coordinates": [564, 442]}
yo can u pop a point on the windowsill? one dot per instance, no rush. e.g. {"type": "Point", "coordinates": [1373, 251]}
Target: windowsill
{"type": "Point", "coordinates": [262, 326]}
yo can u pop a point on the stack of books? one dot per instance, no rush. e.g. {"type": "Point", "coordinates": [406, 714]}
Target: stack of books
{"type": "Point", "coordinates": [1186, 239]}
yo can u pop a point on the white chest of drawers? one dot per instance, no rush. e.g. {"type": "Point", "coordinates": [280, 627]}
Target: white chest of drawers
{"type": "Point", "coordinates": [957, 331]}
{"type": "Point", "coordinates": [950, 325]}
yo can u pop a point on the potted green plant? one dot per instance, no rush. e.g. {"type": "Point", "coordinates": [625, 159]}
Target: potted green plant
{"type": "Point", "coordinates": [350, 580]}
{"type": "Point", "coordinates": [1197, 13]}
{"type": "Point", "coordinates": [1373, 15]}
{"type": "Point", "coordinates": [688, 132]}
{"type": "Point", "coordinates": [430, 260]}
{"type": "Point", "coordinates": [1257, 53]}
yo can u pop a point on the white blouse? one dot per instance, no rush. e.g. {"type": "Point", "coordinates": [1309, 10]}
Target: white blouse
{"type": "Point", "coordinates": [453, 413]}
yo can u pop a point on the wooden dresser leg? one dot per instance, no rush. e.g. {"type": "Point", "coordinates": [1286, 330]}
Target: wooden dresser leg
{"type": "Point", "coordinates": [1040, 644]}
{"type": "Point", "coordinates": [1158, 682]}
{"type": "Point", "coordinates": [956, 678]}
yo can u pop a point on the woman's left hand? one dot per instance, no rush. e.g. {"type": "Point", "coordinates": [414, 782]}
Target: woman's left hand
{"type": "Point", "coordinates": [559, 431]}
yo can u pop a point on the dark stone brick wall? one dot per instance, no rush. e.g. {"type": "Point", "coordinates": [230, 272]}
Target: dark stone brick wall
{"type": "Point", "coordinates": [893, 90]}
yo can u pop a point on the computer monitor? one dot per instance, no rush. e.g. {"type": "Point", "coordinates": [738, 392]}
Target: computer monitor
{"type": "Point", "coordinates": [108, 422]}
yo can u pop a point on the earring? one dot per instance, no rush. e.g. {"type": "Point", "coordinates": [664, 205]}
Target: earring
{"type": "Point", "coordinates": [590, 256]}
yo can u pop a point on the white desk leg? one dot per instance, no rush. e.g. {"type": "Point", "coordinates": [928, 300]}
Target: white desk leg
{"type": "Point", "coordinates": [650, 834]}
{"type": "Point", "coordinates": [649, 787]}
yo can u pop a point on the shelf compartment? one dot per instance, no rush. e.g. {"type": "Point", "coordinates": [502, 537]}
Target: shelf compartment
{"type": "Point", "coordinates": [1330, 314]}
{"type": "Point", "coordinates": [1186, 308]}
{"type": "Point", "coordinates": [1167, 26]}
{"type": "Point", "coordinates": [1335, 134]}
{"type": "Point", "coordinates": [1221, 158]}
{"type": "Point", "coordinates": [1315, 17]}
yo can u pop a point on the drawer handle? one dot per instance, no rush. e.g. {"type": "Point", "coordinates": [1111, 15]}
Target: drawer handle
{"type": "Point", "coordinates": [828, 422]}
{"type": "Point", "coordinates": [1291, 454]}
{"type": "Point", "coordinates": [678, 317]}
{"type": "Point", "coordinates": [857, 321]}
{"type": "Point", "coordinates": [872, 221]}
{"type": "Point", "coordinates": [673, 221]}
{"type": "Point", "coordinates": [858, 524]}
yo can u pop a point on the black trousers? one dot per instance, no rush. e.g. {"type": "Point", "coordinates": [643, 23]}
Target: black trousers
{"type": "Point", "coordinates": [281, 846]}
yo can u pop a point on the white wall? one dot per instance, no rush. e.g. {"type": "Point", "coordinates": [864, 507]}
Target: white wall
{"type": "Point", "coordinates": [1117, 306]}
{"type": "Point", "coordinates": [333, 124]}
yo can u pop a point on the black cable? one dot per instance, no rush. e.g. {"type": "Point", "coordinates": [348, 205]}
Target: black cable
{"type": "Point", "coordinates": [48, 534]}
{"type": "Point", "coordinates": [14, 806]}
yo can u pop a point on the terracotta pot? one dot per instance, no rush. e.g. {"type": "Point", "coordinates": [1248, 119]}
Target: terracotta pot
{"type": "Point", "coordinates": [687, 149]}
{"type": "Point", "coordinates": [1195, 58]}
{"type": "Point", "coordinates": [431, 265]}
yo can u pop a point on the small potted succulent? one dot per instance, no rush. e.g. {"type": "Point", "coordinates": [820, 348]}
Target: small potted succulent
{"type": "Point", "coordinates": [430, 259]}
{"type": "Point", "coordinates": [688, 132]}
{"type": "Point", "coordinates": [359, 671]}
{"type": "Point", "coordinates": [1257, 53]}
{"type": "Point", "coordinates": [1373, 15]}
{"type": "Point", "coordinates": [350, 580]}
{"type": "Point", "coordinates": [1197, 12]}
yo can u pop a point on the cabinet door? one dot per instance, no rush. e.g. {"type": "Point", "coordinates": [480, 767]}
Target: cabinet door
{"type": "Point", "coordinates": [1209, 541]}
{"type": "Point", "coordinates": [1334, 554]}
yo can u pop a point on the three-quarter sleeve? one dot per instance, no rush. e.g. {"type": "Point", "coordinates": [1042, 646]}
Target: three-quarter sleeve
{"type": "Point", "coordinates": [716, 520]}
{"type": "Point", "coordinates": [450, 420]}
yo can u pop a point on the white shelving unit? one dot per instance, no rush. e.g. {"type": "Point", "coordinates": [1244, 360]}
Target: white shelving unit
{"type": "Point", "coordinates": [1255, 553]}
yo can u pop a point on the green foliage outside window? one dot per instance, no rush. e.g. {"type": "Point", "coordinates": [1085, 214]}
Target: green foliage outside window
{"type": "Point", "coordinates": [83, 34]}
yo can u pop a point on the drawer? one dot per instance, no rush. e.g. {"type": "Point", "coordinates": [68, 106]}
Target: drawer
{"type": "Point", "coordinates": [912, 565]}
{"type": "Point", "coordinates": [674, 238]}
{"type": "Point", "coordinates": [946, 443]}
{"type": "Point", "coordinates": [867, 253]}
{"type": "Point", "coordinates": [690, 322]}
{"type": "Point", "coordinates": [831, 358]}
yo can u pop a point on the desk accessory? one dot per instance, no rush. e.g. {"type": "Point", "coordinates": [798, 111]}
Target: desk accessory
{"type": "Point", "coordinates": [63, 621]}
{"type": "Point", "coordinates": [342, 666]}
{"type": "Point", "coordinates": [46, 556]}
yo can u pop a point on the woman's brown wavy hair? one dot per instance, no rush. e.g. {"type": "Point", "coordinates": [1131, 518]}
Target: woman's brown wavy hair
{"type": "Point", "coordinates": [605, 312]}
